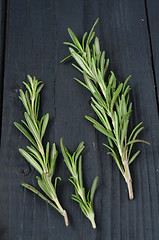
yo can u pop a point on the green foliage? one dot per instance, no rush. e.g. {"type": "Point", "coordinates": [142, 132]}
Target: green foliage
{"type": "Point", "coordinates": [42, 159]}
{"type": "Point", "coordinates": [74, 164]}
{"type": "Point", "coordinates": [110, 100]}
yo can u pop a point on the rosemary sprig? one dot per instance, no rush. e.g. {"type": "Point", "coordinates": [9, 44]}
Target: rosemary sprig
{"type": "Point", "coordinates": [74, 165]}
{"type": "Point", "coordinates": [110, 101]}
{"type": "Point", "coordinates": [39, 157]}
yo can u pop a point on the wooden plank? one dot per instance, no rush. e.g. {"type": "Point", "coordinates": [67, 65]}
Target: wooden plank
{"type": "Point", "coordinates": [35, 32]}
{"type": "Point", "coordinates": [2, 44]}
{"type": "Point", "coordinates": [72, 104]}
{"type": "Point", "coordinates": [34, 38]}
{"type": "Point", "coordinates": [125, 36]}
{"type": "Point", "coordinates": [123, 32]}
{"type": "Point", "coordinates": [153, 25]}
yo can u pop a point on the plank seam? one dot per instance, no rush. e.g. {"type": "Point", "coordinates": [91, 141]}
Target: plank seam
{"type": "Point", "coordinates": [3, 63]}
{"type": "Point", "coordinates": [152, 57]}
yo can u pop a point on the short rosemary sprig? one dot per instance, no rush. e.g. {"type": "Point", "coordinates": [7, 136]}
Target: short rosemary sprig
{"type": "Point", "coordinates": [42, 159]}
{"type": "Point", "coordinates": [110, 101]}
{"type": "Point", "coordinates": [74, 164]}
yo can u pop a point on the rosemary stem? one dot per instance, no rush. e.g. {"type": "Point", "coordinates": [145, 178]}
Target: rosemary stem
{"type": "Point", "coordinates": [128, 180]}
{"type": "Point", "coordinates": [92, 220]}
{"type": "Point", "coordinates": [55, 199]}
{"type": "Point", "coordinates": [93, 223]}
{"type": "Point", "coordinates": [130, 189]}
{"type": "Point", "coordinates": [63, 212]}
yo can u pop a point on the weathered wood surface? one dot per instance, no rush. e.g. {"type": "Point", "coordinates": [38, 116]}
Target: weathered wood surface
{"type": "Point", "coordinates": [2, 52]}
{"type": "Point", "coordinates": [31, 42]}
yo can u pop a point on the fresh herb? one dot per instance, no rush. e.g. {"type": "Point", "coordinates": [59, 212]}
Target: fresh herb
{"type": "Point", "coordinates": [110, 101]}
{"type": "Point", "coordinates": [74, 165]}
{"type": "Point", "coordinates": [42, 159]}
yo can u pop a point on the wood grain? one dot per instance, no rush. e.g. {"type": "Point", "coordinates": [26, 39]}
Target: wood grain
{"type": "Point", "coordinates": [35, 32]}
{"type": "Point", "coordinates": [3, 7]}
{"type": "Point", "coordinates": [125, 35]}
{"type": "Point", "coordinates": [153, 25]}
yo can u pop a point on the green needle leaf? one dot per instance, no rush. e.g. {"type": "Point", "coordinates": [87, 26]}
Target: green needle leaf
{"type": "Point", "coordinates": [25, 133]}
{"type": "Point", "coordinates": [34, 131]}
{"type": "Point", "coordinates": [115, 95]}
{"type": "Point", "coordinates": [134, 156]}
{"type": "Point", "coordinates": [81, 62]}
{"type": "Point", "coordinates": [47, 152]}
{"type": "Point", "coordinates": [71, 45]}
{"type": "Point", "coordinates": [53, 158]}
{"type": "Point", "coordinates": [36, 155]}
{"type": "Point", "coordinates": [44, 125]}
{"type": "Point", "coordinates": [24, 101]}
{"type": "Point", "coordinates": [83, 39]}
{"type": "Point", "coordinates": [56, 181]}
{"type": "Point", "coordinates": [91, 32]}
{"type": "Point", "coordinates": [39, 88]}
{"type": "Point", "coordinates": [65, 155]}
{"type": "Point", "coordinates": [31, 160]}
{"type": "Point", "coordinates": [93, 189]}
{"type": "Point", "coordinates": [83, 84]}
{"type": "Point", "coordinates": [75, 40]}
{"type": "Point", "coordinates": [34, 190]}
{"type": "Point", "coordinates": [80, 172]}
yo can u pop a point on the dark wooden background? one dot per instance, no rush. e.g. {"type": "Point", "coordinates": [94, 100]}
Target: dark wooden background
{"type": "Point", "coordinates": [31, 36]}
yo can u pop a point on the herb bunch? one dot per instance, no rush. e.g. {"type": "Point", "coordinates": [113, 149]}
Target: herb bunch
{"type": "Point", "coordinates": [74, 165]}
{"type": "Point", "coordinates": [110, 101]}
{"type": "Point", "coordinates": [41, 158]}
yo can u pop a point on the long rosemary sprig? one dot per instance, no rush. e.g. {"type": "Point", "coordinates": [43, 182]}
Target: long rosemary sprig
{"type": "Point", "coordinates": [39, 157]}
{"type": "Point", "coordinates": [74, 165]}
{"type": "Point", "coordinates": [110, 101]}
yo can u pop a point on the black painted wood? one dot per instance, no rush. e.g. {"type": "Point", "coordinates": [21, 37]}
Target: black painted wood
{"type": "Point", "coordinates": [153, 25]}
{"type": "Point", "coordinates": [34, 34]}
{"type": "Point", "coordinates": [125, 35]}
{"type": "Point", "coordinates": [3, 6]}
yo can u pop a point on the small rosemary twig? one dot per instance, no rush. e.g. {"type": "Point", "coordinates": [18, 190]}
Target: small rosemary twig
{"type": "Point", "coordinates": [39, 157]}
{"type": "Point", "coordinates": [74, 165]}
